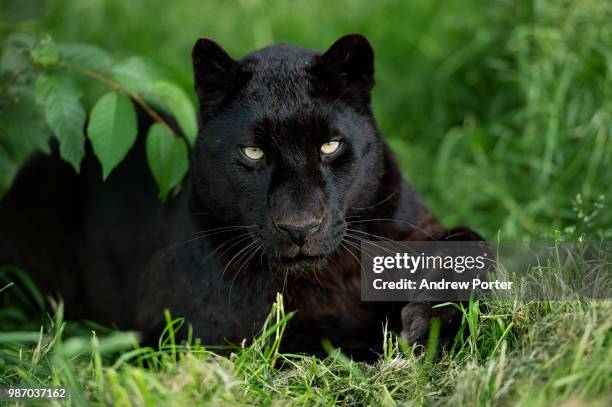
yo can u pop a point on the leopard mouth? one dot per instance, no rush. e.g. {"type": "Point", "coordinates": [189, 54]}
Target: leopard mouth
{"type": "Point", "coordinates": [299, 262]}
{"type": "Point", "coordinates": [312, 255]}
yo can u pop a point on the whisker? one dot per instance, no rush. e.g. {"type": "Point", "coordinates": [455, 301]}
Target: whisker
{"type": "Point", "coordinates": [384, 239]}
{"type": "Point", "coordinates": [243, 265]}
{"type": "Point", "coordinates": [203, 234]}
{"type": "Point", "coordinates": [374, 244]}
{"type": "Point", "coordinates": [343, 245]}
{"type": "Point", "coordinates": [357, 246]}
{"type": "Point", "coordinates": [213, 232]}
{"type": "Point", "coordinates": [362, 250]}
{"type": "Point", "coordinates": [376, 204]}
{"type": "Point", "coordinates": [370, 234]}
{"type": "Point", "coordinates": [369, 242]}
{"type": "Point", "coordinates": [232, 259]}
{"type": "Point", "coordinates": [398, 221]}
{"type": "Point", "coordinates": [316, 276]}
{"type": "Point", "coordinates": [243, 237]}
{"type": "Point", "coordinates": [225, 228]}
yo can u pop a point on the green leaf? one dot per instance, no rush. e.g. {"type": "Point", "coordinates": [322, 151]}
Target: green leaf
{"type": "Point", "coordinates": [167, 158]}
{"type": "Point", "coordinates": [8, 170]}
{"type": "Point", "coordinates": [136, 73]}
{"type": "Point", "coordinates": [23, 131]}
{"type": "Point", "coordinates": [112, 130]}
{"type": "Point", "coordinates": [65, 115]}
{"type": "Point", "coordinates": [45, 54]}
{"type": "Point", "coordinates": [140, 75]}
{"type": "Point", "coordinates": [16, 53]}
{"type": "Point", "coordinates": [87, 56]}
{"type": "Point", "coordinates": [179, 104]}
{"type": "Point", "coordinates": [22, 126]}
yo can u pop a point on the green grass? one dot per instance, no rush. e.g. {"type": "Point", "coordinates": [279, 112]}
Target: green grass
{"type": "Point", "coordinates": [500, 114]}
{"type": "Point", "coordinates": [522, 353]}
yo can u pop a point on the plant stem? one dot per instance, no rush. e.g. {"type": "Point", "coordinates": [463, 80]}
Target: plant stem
{"type": "Point", "coordinates": [120, 88]}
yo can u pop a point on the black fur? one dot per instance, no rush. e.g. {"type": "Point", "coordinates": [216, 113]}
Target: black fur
{"type": "Point", "coordinates": [220, 251]}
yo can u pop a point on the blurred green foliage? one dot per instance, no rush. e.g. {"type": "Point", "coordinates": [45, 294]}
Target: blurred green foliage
{"type": "Point", "coordinates": [500, 112]}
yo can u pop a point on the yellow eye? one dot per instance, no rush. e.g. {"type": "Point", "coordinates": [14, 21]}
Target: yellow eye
{"type": "Point", "coordinates": [330, 147]}
{"type": "Point", "coordinates": [253, 153]}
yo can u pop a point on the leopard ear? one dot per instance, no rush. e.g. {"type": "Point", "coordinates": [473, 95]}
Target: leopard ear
{"type": "Point", "coordinates": [215, 72]}
{"type": "Point", "coordinates": [351, 59]}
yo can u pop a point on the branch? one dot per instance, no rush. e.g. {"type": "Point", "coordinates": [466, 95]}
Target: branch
{"type": "Point", "coordinates": [120, 88]}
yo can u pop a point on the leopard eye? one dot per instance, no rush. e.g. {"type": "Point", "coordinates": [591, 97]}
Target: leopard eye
{"type": "Point", "coordinates": [330, 147]}
{"type": "Point", "coordinates": [253, 153]}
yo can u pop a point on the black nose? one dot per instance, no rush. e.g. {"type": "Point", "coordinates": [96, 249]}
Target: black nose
{"type": "Point", "coordinates": [298, 233]}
